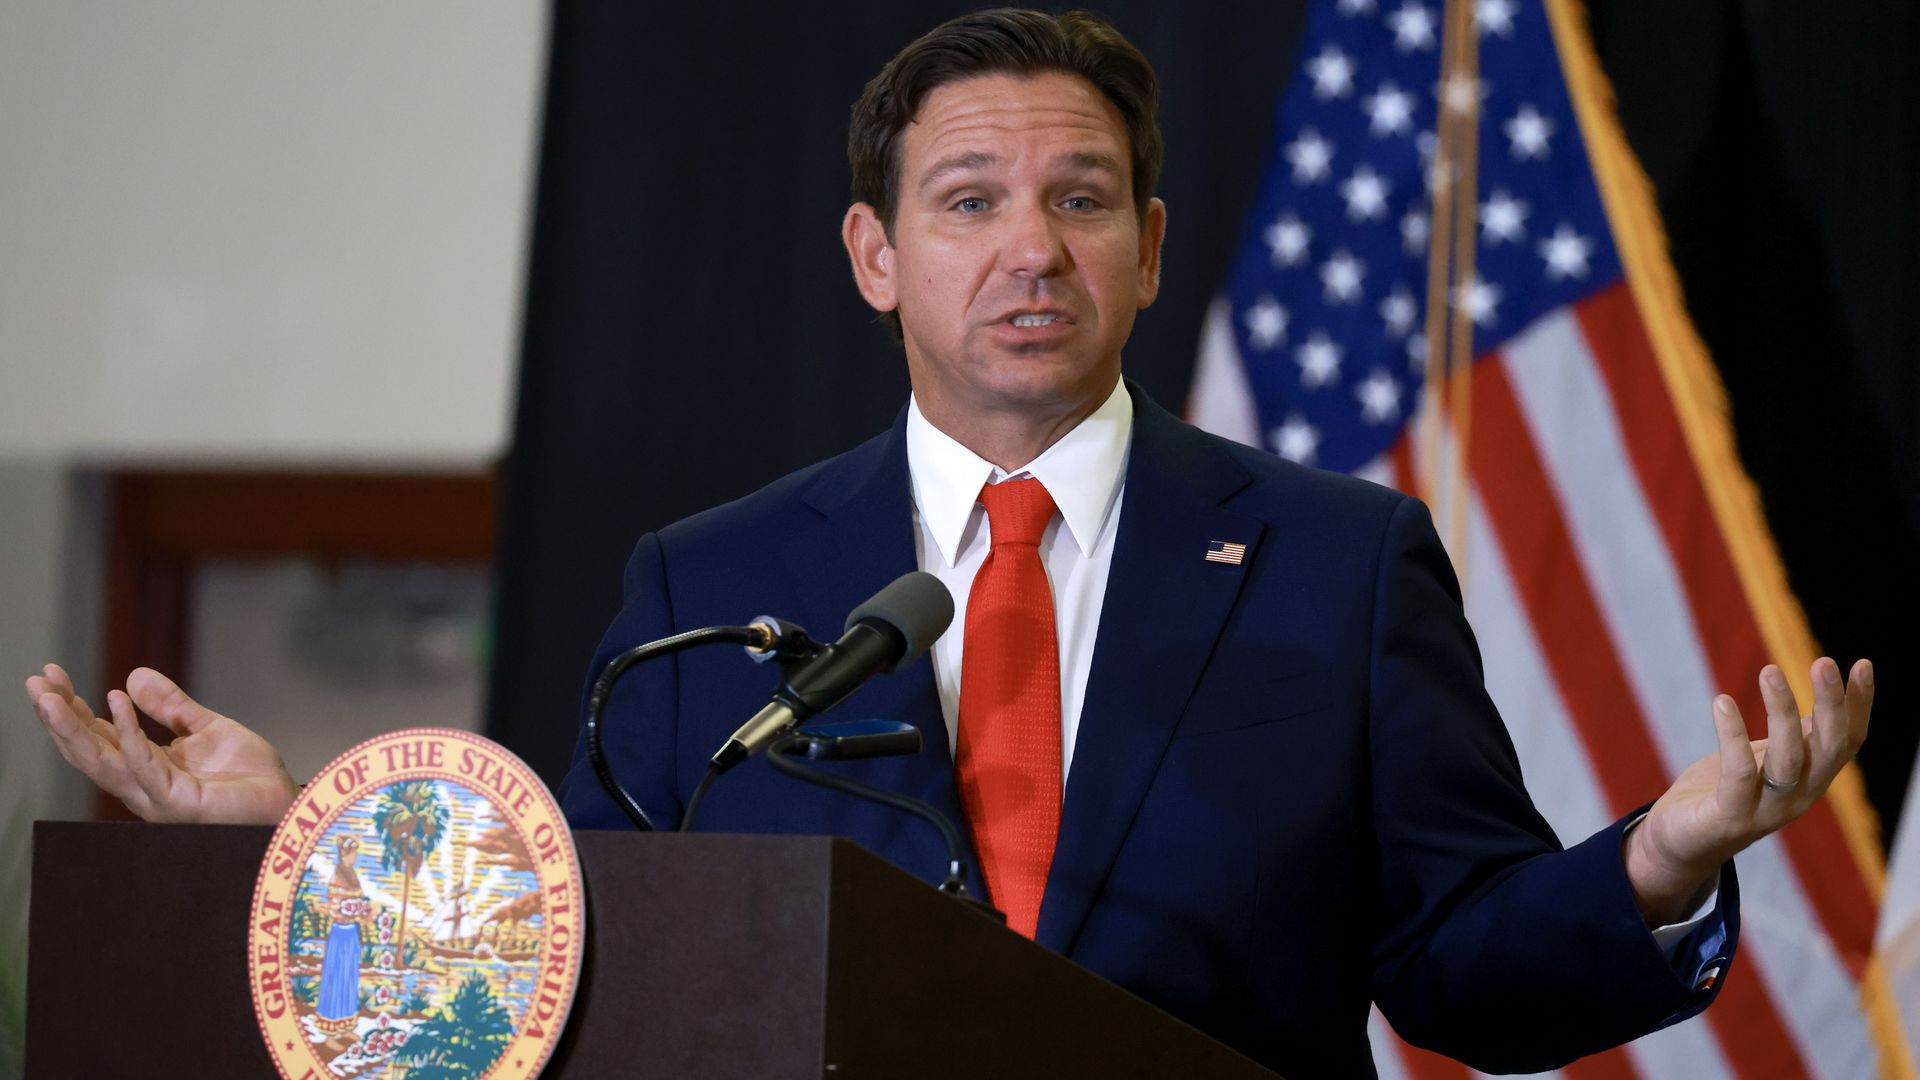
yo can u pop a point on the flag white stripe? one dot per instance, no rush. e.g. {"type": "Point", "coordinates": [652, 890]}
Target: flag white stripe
{"type": "Point", "coordinates": [1568, 411]}
{"type": "Point", "coordinates": [1386, 1047]}
{"type": "Point", "coordinates": [1221, 400]}
{"type": "Point", "coordinates": [1898, 936]}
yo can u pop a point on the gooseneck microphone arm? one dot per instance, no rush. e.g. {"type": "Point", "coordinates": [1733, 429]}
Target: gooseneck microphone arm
{"type": "Point", "coordinates": [759, 637]}
{"type": "Point", "coordinates": [894, 627]}
{"type": "Point", "coordinates": [783, 756]}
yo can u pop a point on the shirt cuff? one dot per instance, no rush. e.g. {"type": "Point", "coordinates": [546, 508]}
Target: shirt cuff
{"type": "Point", "coordinates": [1692, 946]}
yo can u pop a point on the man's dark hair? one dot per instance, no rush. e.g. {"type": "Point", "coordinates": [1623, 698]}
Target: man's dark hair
{"type": "Point", "coordinates": [1003, 41]}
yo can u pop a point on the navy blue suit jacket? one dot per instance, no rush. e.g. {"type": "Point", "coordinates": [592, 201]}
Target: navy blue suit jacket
{"type": "Point", "coordinates": [1289, 793]}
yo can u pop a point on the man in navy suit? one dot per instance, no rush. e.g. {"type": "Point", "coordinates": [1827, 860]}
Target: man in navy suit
{"type": "Point", "coordinates": [1271, 785]}
{"type": "Point", "coordinates": [1285, 791]}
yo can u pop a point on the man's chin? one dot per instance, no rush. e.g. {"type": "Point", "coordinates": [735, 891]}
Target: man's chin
{"type": "Point", "coordinates": [1043, 390]}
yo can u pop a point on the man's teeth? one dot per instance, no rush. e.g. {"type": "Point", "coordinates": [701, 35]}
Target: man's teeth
{"type": "Point", "coordinates": [1032, 320]}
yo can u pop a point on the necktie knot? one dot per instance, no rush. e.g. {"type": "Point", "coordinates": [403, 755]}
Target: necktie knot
{"type": "Point", "coordinates": [1017, 511]}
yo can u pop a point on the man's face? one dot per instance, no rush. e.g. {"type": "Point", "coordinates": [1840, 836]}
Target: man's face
{"type": "Point", "coordinates": [1017, 259]}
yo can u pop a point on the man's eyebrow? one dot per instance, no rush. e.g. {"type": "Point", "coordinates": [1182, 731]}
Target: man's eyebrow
{"type": "Point", "coordinates": [967, 162]}
{"type": "Point", "coordinates": [1083, 160]}
{"type": "Point", "coordinates": [1091, 161]}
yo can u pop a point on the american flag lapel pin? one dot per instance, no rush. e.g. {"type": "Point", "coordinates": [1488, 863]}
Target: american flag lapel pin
{"type": "Point", "coordinates": [1221, 551]}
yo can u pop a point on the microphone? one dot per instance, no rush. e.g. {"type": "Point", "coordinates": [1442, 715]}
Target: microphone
{"type": "Point", "coordinates": [886, 633]}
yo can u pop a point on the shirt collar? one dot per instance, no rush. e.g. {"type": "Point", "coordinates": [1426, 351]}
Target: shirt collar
{"type": "Point", "coordinates": [1082, 471]}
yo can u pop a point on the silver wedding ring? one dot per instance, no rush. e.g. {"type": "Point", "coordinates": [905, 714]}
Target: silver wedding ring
{"type": "Point", "coordinates": [1776, 786]}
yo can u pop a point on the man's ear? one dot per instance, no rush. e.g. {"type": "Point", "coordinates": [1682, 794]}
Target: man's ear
{"type": "Point", "coordinates": [871, 255]}
{"type": "Point", "coordinates": [1153, 232]}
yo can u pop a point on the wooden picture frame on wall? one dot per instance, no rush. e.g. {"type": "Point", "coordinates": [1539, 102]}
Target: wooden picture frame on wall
{"type": "Point", "coordinates": [161, 523]}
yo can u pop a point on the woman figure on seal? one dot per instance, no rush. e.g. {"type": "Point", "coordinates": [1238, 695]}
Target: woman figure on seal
{"type": "Point", "coordinates": [339, 1005]}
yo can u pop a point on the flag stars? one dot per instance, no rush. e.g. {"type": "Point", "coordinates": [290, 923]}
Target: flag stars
{"type": "Point", "coordinates": [1341, 276]}
{"type": "Point", "coordinates": [1319, 361]}
{"type": "Point", "coordinates": [1311, 157]}
{"type": "Point", "coordinates": [1494, 17]}
{"type": "Point", "coordinates": [1503, 218]}
{"type": "Point", "coordinates": [1366, 194]}
{"type": "Point", "coordinates": [1417, 351]}
{"type": "Point", "coordinates": [1412, 27]}
{"type": "Point", "coordinates": [1332, 74]}
{"type": "Point", "coordinates": [1428, 145]}
{"type": "Point", "coordinates": [1379, 396]}
{"type": "Point", "coordinates": [1288, 238]}
{"type": "Point", "coordinates": [1266, 323]}
{"type": "Point", "coordinates": [1477, 300]}
{"type": "Point", "coordinates": [1527, 133]}
{"type": "Point", "coordinates": [1391, 110]}
{"type": "Point", "coordinates": [1398, 311]}
{"type": "Point", "coordinates": [1296, 440]}
{"type": "Point", "coordinates": [1414, 231]}
{"type": "Point", "coordinates": [1566, 253]}
{"type": "Point", "coordinates": [1356, 7]}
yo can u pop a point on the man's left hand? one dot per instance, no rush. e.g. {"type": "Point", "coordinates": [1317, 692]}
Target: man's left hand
{"type": "Point", "coordinates": [1747, 790]}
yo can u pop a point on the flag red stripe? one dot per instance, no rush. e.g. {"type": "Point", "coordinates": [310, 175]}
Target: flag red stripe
{"type": "Point", "coordinates": [1427, 1065]}
{"type": "Point", "coordinates": [1401, 455]}
{"type": "Point", "coordinates": [1559, 601]}
{"type": "Point", "coordinates": [1728, 629]}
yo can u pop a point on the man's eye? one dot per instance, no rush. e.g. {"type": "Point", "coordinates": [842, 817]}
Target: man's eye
{"type": "Point", "coordinates": [971, 205]}
{"type": "Point", "coordinates": [1082, 202]}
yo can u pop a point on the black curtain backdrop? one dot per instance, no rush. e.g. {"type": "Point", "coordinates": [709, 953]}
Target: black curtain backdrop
{"type": "Point", "coordinates": [692, 331]}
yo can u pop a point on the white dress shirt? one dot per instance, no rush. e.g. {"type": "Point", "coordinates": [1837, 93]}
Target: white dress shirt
{"type": "Point", "coordinates": [1085, 472]}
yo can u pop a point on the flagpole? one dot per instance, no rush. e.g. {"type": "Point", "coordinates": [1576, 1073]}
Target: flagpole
{"type": "Point", "coordinates": [1450, 267]}
{"type": "Point", "coordinates": [1432, 471]}
{"type": "Point", "coordinates": [1460, 96]}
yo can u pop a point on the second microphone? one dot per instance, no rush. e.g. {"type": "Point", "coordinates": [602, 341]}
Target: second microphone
{"type": "Point", "coordinates": [889, 631]}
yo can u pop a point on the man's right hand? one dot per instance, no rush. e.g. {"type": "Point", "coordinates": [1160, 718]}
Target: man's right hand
{"type": "Point", "coordinates": [214, 770]}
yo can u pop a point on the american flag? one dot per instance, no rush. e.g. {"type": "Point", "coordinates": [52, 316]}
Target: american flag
{"type": "Point", "coordinates": [1578, 458]}
{"type": "Point", "coordinates": [1222, 551]}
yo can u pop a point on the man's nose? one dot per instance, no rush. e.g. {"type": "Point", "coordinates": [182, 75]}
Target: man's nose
{"type": "Point", "coordinates": [1034, 244]}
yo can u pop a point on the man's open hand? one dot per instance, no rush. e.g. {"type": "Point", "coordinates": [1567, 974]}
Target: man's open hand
{"type": "Point", "coordinates": [1747, 790]}
{"type": "Point", "coordinates": [215, 770]}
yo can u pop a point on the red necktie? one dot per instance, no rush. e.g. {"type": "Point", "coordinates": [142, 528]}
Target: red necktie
{"type": "Point", "coordinates": [1007, 760]}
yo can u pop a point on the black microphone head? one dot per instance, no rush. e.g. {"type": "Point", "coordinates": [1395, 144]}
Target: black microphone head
{"type": "Point", "coordinates": [916, 606]}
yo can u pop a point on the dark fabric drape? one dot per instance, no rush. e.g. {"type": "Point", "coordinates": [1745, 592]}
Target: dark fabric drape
{"type": "Point", "coordinates": [692, 330]}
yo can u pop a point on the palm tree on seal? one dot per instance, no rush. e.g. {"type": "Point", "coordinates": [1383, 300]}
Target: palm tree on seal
{"type": "Point", "coordinates": [411, 820]}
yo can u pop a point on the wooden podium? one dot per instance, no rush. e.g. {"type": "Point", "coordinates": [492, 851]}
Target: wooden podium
{"type": "Point", "coordinates": [759, 957]}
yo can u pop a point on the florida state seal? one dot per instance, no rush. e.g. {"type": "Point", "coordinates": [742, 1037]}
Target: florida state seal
{"type": "Point", "coordinates": [418, 913]}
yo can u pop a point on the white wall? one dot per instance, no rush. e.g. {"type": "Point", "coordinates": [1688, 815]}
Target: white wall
{"type": "Point", "coordinates": [263, 231]}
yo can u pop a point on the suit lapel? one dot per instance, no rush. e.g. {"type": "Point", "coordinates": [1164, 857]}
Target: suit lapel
{"type": "Point", "coordinates": [1164, 608]}
{"type": "Point", "coordinates": [864, 539]}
